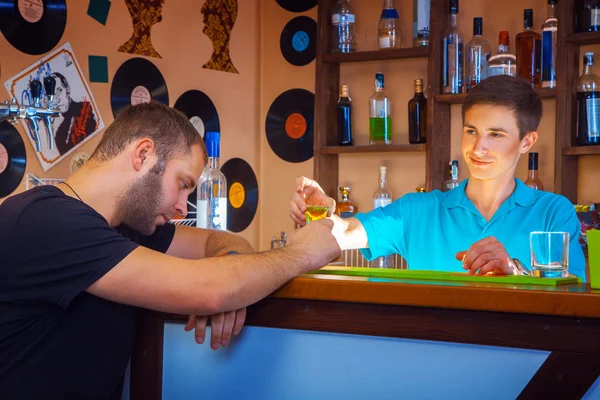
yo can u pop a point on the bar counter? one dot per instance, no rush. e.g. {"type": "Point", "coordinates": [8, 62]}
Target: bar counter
{"type": "Point", "coordinates": [563, 320]}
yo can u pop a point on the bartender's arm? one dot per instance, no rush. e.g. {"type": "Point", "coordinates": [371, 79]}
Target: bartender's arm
{"type": "Point", "coordinates": [349, 232]}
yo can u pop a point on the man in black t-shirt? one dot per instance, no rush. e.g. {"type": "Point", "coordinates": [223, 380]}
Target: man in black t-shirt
{"type": "Point", "coordinates": [77, 259]}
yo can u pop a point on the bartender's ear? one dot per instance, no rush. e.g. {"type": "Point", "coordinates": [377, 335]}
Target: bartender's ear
{"type": "Point", "coordinates": [528, 141]}
{"type": "Point", "coordinates": [141, 152]}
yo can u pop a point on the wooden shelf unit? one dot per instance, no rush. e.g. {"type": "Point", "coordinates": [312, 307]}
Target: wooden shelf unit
{"type": "Point", "coordinates": [437, 149]}
{"type": "Point", "coordinates": [392, 148]}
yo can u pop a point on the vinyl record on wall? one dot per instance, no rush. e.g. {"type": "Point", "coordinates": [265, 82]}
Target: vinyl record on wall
{"type": "Point", "coordinates": [13, 158]}
{"type": "Point", "coordinates": [33, 26]}
{"type": "Point", "coordinates": [242, 194]}
{"type": "Point", "coordinates": [298, 41]}
{"type": "Point", "coordinates": [137, 81]}
{"type": "Point", "coordinates": [200, 110]}
{"type": "Point", "coordinates": [289, 125]}
{"type": "Point", "coordinates": [297, 5]}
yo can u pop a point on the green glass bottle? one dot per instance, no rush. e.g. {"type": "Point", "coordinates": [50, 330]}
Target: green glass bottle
{"type": "Point", "coordinates": [380, 121]}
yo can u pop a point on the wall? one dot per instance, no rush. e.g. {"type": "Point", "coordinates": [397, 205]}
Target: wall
{"type": "Point", "coordinates": [178, 38]}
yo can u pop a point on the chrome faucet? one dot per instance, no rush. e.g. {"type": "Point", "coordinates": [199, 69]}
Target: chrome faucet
{"type": "Point", "coordinates": [34, 113]}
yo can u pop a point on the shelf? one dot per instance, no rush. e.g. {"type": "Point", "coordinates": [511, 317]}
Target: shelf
{"type": "Point", "coordinates": [583, 38]}
{"type": "Point", "coordinates": [581, 150]}
{"type": "Point", "coordinates": [545, 93]}
{"type": "Point", "coordinates": [398, 148]}
{"type": "Point", "coordinates": [378, 55]}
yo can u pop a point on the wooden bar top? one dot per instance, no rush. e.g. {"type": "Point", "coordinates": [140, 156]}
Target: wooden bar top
{"type": "Point", "coordinates": [575, 300]}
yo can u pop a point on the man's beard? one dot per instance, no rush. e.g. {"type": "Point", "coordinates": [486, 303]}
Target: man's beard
{"type": "Point", "coordinates": [138, 207]}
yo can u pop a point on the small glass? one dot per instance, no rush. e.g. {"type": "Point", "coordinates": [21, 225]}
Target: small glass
{"type": "Point", "coordinates": [549, 254]}
{"type": "Point", "coordinates": [314, 213]}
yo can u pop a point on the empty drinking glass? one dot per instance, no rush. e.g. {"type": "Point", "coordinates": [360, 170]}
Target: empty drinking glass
{"type": "Point", "coordinates": [549, 254]}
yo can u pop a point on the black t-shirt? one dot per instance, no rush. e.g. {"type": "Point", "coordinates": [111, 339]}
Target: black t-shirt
{"type": "Point", "coordinates": [56, 340]}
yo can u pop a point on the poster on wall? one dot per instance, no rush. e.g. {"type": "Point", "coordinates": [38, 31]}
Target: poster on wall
{"type": "Point", "coordinates": [80, 119]}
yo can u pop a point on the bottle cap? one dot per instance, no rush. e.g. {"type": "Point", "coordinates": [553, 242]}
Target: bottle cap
{"type": "Point", "coordinates": [453, 6]}
{"type": "Point", "coordinates": [528, 17]}
{"type": "Point", "coordinates": [588, 58]}
{"type": "Point", "coordinates": [478, 26]}
{"type": "Point", "coordinates": [379, 80]}
{"type": "Point", "coordinates": [503, 38]}
{"type": "Point", "coordinates": [213, 144]}
{"type": "Point", "coordinates": [552, 2]}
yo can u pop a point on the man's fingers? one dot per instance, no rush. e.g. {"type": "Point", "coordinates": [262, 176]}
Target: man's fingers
{"type": "Point", "coordinates": [494, 265]}
{"type": "Point", "coordinates": [190, 323]}
{"type": "Point", "coordinates": [476, 251]}
{"type": "Point", "coordinates": [240, 319]}
{"type": "Point", "coordinates": [482, 260]}
{"type": "Point", "coordinates": [296, 220]}
{"type": "Point", "coordinates": [228, 324]}
{"type": "Point", "coordinates": [216, 330]}
{"type": "Point", "coordinates": [200, 333]}
{"type": "Point", "coordinates": [298, 207]}
{"type": "Point", "coordinates": [460, 256]}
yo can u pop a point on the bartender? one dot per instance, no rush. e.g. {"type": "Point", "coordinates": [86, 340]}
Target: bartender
{"type": "Point", "coordinates": [483, 225]}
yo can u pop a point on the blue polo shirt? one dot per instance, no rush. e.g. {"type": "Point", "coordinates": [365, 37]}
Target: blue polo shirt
{"type": "Point", "coordinates": [428, 229]}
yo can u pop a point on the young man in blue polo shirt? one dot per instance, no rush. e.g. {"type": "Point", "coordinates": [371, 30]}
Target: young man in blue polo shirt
{"type": "Point", "coordinates": [484, 224]}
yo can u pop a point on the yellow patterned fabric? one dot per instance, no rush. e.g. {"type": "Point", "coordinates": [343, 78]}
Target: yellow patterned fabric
{"type": "Point", "coordinates": [219, 18]}
{"type": "Point", "coordinates": [144, 14]}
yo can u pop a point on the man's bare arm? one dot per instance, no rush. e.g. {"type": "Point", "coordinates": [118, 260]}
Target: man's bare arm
{"type": "Point", "coordinates": [193, 243]}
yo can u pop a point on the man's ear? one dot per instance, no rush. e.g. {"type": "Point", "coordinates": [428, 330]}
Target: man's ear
{"type": "Point", "coordinates": [528, 141]}
{"type": "Point", "coordinates": [141, 152]}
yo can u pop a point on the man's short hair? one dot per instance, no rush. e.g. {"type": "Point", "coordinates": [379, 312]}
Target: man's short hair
{"type": "Point", "coordinates": [513, 93]}
{"type": "Point", "coordinates": [172, 133]}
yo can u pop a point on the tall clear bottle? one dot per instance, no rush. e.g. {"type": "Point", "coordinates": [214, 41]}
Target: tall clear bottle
{"type": "Point", "coordinates": [477, 54]}
{"type": "Point", "coordinates": [212, 189]}
{"type": "Point", "coordinates": [343, 21]}
{"type": "Point", "coordinates": [388, 29]}
{"type": "Point", "coordinates": [529, 46]}
{"type": "Point", "coordinates": [588, 104]}
{"type": "Point", "coordinates": [380, 121]}
{"type": "Point", "coordinates": [549, 40]}
{"type": "Point", "coordinates": [452, 181]}
{"type": "Point", "coordinates": [503, 63]}
{"type": "Point", "coordinates": [453, 57]}
{"type": "Point", "coordinates": [421, 14]}
{"type": "Point", "coordinates": [591, 16]}
{"type": "Point", "coordinates": [382, 198]}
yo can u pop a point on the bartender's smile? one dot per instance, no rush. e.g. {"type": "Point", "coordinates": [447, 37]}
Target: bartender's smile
{"type": "Point", "coordinates": [479, 163]}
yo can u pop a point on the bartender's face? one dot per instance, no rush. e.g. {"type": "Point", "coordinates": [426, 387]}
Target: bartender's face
{"type": "Point", "coordinates": [490, 141]}
{"type": "Point", "coordinates": [156, 198]}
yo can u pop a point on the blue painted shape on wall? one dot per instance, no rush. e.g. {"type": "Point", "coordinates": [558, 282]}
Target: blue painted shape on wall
{"type": "Point", "coordinates": [266, 363]}
{"type": "Point", "coordinates": [594, 392]}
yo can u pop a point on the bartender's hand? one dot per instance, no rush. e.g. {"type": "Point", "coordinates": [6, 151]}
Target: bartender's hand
{"type": "Point", "coordinates": [308, 192]}
{"type": "Point", "coordinates": [487, 255]}
{"type": "Point", "coordinates": [222, 327]}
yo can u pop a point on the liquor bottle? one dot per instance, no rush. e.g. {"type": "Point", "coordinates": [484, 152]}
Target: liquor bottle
{"type": "Point", "coordinates": [344, 117]}
{"type": "Point", "coordinates": [420, 190]}
{"type": "Point", "coordinates": [588, 104]}
{"type": "Point", "coordinates": [417, 115]}
{"type": "Point", "coordinates": [591, 16]}
{"type": "Point", "coordinates": [477, 54]}
{"type": "Point", "coordinates": [345, 208]}
{"type": "Point", "coordinates": [382, 198]}
{"type": "Point", "coordinates": [212, 189]}
{"type": "Point", "coordinates": [503, 63]}
{"type": "Point", "coordinates": [549, 39]}
{"type": "Point", "coordinates": [533, 180]}
{"type": "Point", "coordinates": [380, 121]}
{"type": "Point", "coordinates": [421, 13]}
{"type": "Point", "coordinates": [388, 29]}
{"type": "Point", "coordinates": [529, 45]}
{"type": "Point", "coordinates": [343, 21]}
{"type": "Point", "coordinates": [453, 175]}
{"type": "Point", "coordinates": [452, 72]}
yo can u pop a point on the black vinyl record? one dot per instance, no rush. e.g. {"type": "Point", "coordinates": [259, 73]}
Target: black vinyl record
{"type": "Point", "coordinates": [298, 41]}
{"type": "Point", "coordinates": [297, 5]}
{"type": "Point", "coordinates": [137, 81]}
{"type": "Point", "coordinates": [290, 123]}
{"type": "Point", "coordinates": [12, 158]}
{"type": "Point", "coordinates": [200, 110]}
{"type": "Point", "coordinates": [242, 194]}
{"type": "Point", "coordinates": [34, 26]}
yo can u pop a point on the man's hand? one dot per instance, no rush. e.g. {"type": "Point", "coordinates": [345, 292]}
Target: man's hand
{"type": "Point", "coordinates": [308, 192]}
{"type": "Point", "coordinates": [317, 242]}
{"type": "Point", "coordinates": [487, 255]}
{"type": "Point", "coordinates": [222, 326]}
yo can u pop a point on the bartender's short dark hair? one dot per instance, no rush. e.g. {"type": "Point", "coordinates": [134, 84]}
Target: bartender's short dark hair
{"type": "Point", "coordinates": [513, 93]}
{"type": "Point", "coordinates": [172, 133]}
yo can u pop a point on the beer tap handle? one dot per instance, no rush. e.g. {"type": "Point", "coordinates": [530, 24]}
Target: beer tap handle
{"type": "Point", "coordinates": [49, 85]}
{"type": "Point", "coordinates": [36, 91]}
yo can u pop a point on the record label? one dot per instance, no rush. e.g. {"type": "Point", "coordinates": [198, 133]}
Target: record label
{"type": "Point", "coordinates": [295, 126]}
{"type": "Point", "coordinates": [33, 26]}
{"type": "Point", "coordinates": [200, 110]}
{"type": "Point", "coordinates": [297, 5]}
{"type": "Point", "coordinates": [242, 189]}
{"type": "Point", "coordinates": [140, 95]}
{"type": "Point", "coordinates": [237, 195]}
{"type": "Point", "coordinates": [31, 10]}
{"type": "Point", "coordinates": [289, 125]}
{"type": "Point", "coordinates": [137, 81]}
{"type": "Point", "coordinates": [13, 158]}
{"type": "Point", "coordinates": [298, 41]}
